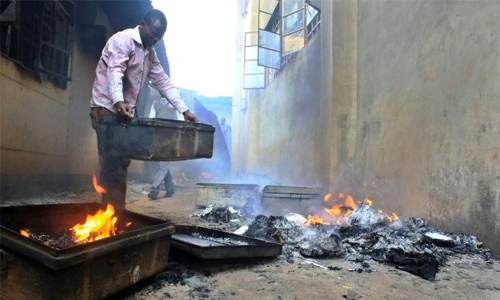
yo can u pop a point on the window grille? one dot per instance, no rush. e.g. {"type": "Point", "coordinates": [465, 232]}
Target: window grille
{"type": "Point", "coordinates": [40, 38]}
{"type": "Point", "coordinates": [285, 26]}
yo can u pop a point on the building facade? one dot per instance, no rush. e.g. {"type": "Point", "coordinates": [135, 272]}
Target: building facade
{"type": "Point", "coordinates": [396, 101]}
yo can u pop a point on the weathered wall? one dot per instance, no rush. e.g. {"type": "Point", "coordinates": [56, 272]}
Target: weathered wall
{"type": "Point", "coordinates": [407, 112]}
{"type": "Point", "coordinates": [33, 130]}
{"type": "Point", "coordinates": [339, 87]}
{"type": "Point", "coordinates": [289, 124]}
{"type": "Point", "coordinates": [428, 111]}
{"type": "Point", "coordinates": [47, 143]}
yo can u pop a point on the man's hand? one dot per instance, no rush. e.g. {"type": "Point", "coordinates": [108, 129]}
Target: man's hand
{"type": "Point", "coordinates": [124, 109]}
{"type": "Point", "coordinates": [189, 116]}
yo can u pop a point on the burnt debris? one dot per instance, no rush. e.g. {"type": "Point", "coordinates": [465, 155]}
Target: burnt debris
{"type": "Point", "coordinates": [219, 214]}
{"type": "Point", "coordinates": [410, 245]}
{"type": "Point", "coordinates": [64, 239]}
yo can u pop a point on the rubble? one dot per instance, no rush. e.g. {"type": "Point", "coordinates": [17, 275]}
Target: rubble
{"type": "Point", "coordinates": [217, 213]}
{"type": "Point", "coordinates": [60, 241]}
{"type": "Point", "coordinates": [410, 245]}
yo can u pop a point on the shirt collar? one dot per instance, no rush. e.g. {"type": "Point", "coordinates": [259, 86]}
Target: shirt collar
{"type": "Point", "coordinates": [137, 37]}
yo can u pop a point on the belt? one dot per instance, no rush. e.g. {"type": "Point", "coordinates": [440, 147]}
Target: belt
{"type": "Point", "coordinates": [99, 112]}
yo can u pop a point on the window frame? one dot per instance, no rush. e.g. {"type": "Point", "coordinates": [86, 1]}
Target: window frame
{"type": "Point", "coordinates": [274, 23]}
{"type": "Point", "coordinates": [41, 38]}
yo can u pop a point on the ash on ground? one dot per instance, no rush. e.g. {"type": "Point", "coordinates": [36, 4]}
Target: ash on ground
{"type": "Point", "coordinates": [410, 245]}
{"type": "Point", "coordinates": [219, 214]}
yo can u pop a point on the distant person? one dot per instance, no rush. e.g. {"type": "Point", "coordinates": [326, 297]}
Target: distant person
{"type": "Point", "coordinates": [128, 61]}
{"type": "Point", "coordinates": [162, 109]}
{"type": "Point", "coordinates": [226, 131]}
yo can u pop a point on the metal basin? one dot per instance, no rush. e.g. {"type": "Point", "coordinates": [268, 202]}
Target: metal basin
{"type": "Point", "coordinates": [155, 139]}
{"type": "Point", "coordinates": [31, 270]}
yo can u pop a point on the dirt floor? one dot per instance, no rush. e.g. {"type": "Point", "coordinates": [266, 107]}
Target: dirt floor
{"type": "Point", "coordinates": [187, 277]}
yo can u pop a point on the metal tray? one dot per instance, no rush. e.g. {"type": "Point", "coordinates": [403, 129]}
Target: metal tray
{"type": "Point", "coordinates": [155, 139]}
{"type": "Point", "coordinates": [209, 243]}
{"type": "Point", "coordinates": [295, 199]}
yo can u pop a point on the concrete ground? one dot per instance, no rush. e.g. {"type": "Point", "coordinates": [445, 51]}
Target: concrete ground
{"type": "Point", "coordinates": [464, 277]}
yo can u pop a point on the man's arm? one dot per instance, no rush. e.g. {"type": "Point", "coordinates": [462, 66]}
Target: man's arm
{"type": "Point", "coordinates": [117, 57]}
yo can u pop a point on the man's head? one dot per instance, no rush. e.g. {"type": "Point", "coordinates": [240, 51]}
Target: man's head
{"type": "Point", "coordinates": [153, 27]}
{"type": "Point", "coordinates": [222, 121]}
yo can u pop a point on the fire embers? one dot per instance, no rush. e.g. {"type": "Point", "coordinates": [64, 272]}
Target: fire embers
{"type": "Point", "coordinates": [336, 212]}
{"type": "Point", "coordinates": [410, 245]}
{"type": "Point", "coordinates": [96, 227]}
{"type": "Point", "coordinates": [60, 241]}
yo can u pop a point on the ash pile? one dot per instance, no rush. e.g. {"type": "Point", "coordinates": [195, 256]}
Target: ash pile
{"type": "Point", "coordinates": [363, 236]}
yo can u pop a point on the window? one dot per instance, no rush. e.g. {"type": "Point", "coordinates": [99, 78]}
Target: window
{"type": "Point", "coordinates": [284, 27]}
{"type": "Point", "coordinates": [39, 36]}
{"type": "Point", "coordinates": [253, 73]}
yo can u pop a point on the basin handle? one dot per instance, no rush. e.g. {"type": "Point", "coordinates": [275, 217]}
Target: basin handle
{"type": "Point", "coordinates": [190, 128]}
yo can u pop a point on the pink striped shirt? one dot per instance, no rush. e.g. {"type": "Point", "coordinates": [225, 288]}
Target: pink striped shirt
{"type": "Point", "coordinates": [124, 69]}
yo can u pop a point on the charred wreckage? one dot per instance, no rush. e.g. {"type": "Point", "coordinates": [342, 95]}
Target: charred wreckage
{"type": "Point", "coordinates": [92, 250]}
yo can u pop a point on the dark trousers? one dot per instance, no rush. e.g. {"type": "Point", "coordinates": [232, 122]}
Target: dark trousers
{"type": "Point", "coordinates": [163, 174]}
{"type": "Point", "coordinates": [113, 169]}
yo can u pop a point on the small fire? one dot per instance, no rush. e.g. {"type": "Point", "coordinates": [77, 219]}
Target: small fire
{"type": "Point", "coordinates": [97, 187]}
{"type": "Point", "coordinates": [341, 211]}
{"type": "Point", "coordinates": [96, 227]}
{"type": "Point", "coordinates": [327, 197]}
{"type": "Point", "coordinates": [312, 220]}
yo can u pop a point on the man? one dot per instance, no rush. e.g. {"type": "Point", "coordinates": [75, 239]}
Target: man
{"type": "Point", "coordinates": [226, 131]}
{"type": "Point", "coordinates": [163, 110]}
{"type": "Point", "coordinates": [127, 62]}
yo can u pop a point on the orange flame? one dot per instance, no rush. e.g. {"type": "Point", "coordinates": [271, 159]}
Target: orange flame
{"type": "Point", "coordinates": [97, 187]}
{"type": "Point", "coordinates": [327, 197]}
{"type": "Point", "coordinates": [312, 220]}
{"type": "Point", "coordinates": [393, 218]}
{"type": "Point", "coordinates": [341, 211]}
{"type": "Point", "coordinates": [96, 227]}
{"type": "Point", "coordinates": [349, 202]}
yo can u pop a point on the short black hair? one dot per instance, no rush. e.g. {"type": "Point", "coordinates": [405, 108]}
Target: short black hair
{"type": "Point", "coordinates": [153, 15]}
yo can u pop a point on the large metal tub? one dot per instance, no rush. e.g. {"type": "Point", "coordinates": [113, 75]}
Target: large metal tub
{"type": "Point", "coordinates": [31, 270]}
{"type": "Point", "coordinates": [155, 139]}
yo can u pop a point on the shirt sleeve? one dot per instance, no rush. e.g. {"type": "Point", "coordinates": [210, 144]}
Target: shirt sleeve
{"type": "Point", "coordinates": [163, 83]}
{"type": "Point", "coordinates": [118, 55]}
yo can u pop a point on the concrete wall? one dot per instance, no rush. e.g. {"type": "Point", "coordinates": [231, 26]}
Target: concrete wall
{"type": "Point", "coordinates": [428, 111]}
{"type": "Point", "coordinates": [47, 143]}
{"type": "Point", "coordinates": [34, 131]}
{"type": "Point", "coordinates": [287, 123]}
{"type": "Point", "coordinates": [407, 111]}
